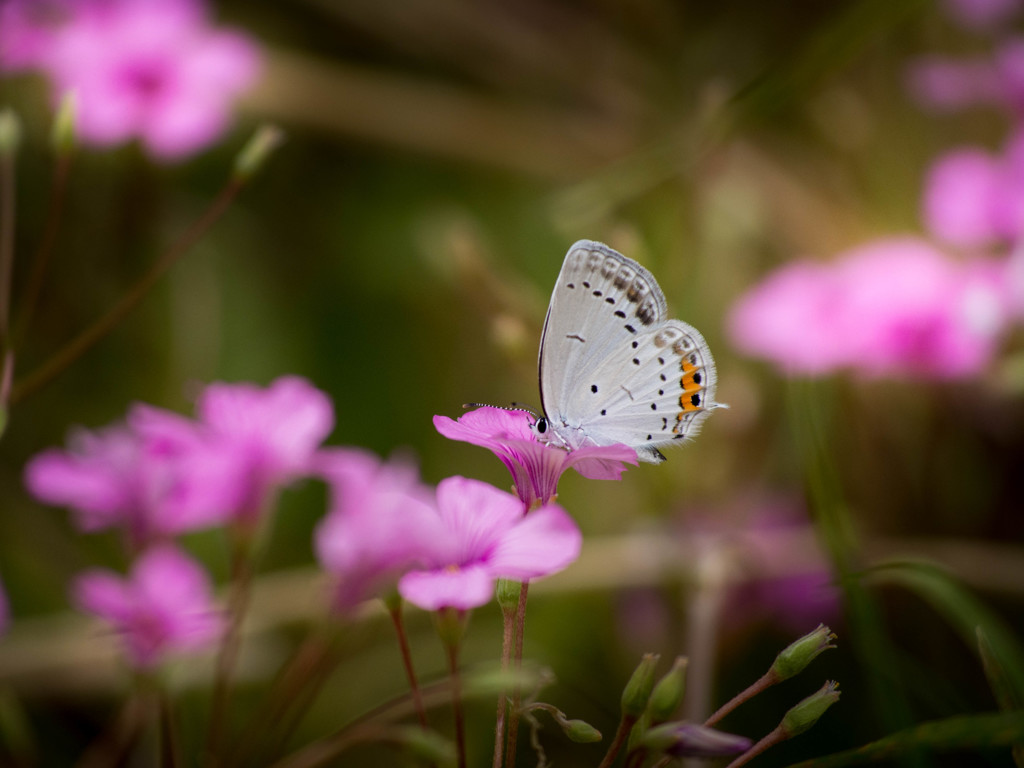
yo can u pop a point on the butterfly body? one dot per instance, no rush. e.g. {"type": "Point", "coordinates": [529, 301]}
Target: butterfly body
{"type": "Point", "coordinates": [613, 367]}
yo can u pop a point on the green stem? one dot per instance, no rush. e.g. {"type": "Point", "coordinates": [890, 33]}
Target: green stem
{"type": "Point", "coordinates": [767, 680]}
{"type": "Point", "coordinates": [227, 658]}
{"type": "Point", "coordinates": [7, 215]}
{"type": "Point", "coordinates": [621, 737]}
{"type": "Point", "coordinates": [517, 694]}
{"type": "Point", "coordinates": [85, 340]}
{"type": "Point", "coordinates": [410, 672]}
{"type": "Point", "coordinates": [507, 641]}
{"type": "Point", "coordinates": [40, 263]}
{"type": "Point", "coordinates": [773, 738]}
{"type": "Point", "coordinates": [457, 710]}
{"type": "Point", "coordinates": [170, 748]}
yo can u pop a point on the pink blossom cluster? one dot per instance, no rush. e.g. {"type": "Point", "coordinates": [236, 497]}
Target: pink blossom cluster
{"type": "Point", "coordinates": [445, 548]}
{"type": "Point", "coordinates": [934, 307]}
{"type": "Point", "coordinates": [896, 307]}
{"type": "Point", "coordinates": [159, 474]}
{"type": "Point", "coordinates": [155, 70]}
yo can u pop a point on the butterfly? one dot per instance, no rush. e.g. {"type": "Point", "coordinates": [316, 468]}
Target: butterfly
{"type": "Point", "coordinates": [612, 367]}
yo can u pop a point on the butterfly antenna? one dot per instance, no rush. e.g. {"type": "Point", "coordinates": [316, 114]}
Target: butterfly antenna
{"type": "Point", "coordinates": [513, 407]}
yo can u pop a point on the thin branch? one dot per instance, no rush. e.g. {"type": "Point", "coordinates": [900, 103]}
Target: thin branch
{"type": "Point", "coordinates": [105, 324]}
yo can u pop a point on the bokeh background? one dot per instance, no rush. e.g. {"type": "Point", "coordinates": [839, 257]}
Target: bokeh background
{"type": "Point", "coordinates": [399, 249]}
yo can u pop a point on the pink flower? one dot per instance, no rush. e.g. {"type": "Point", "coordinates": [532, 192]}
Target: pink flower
{"type": "Point", "coordinates": [892, 308]}
{"type": "Point", "coordinates": [535, 466]}
{"type": "Point", "coordinates": [981, 14]}
{"type": "Point", "coordinates": [273, 433]}
{"type": "Point", "coordinates": [789, 319]}
{"type": "Point", "coordinates": [947, 84]}
{"type": "Point", "coordinates": [27, 30]}
{"type": "Point", "coordinates": [974, 198]}
{"type": "Point", "coordinates": [155, 70]}
{"type": "Point", "coordinates": [483, 536]}
{"type": "Point", "coordinates": [115, 477]}
{"type": "Point", "coordinates": [163, 474]}
{"type": "Point", "coordinates": [379, 522]}
{"type": "Point", "coordinates": [164, 606]}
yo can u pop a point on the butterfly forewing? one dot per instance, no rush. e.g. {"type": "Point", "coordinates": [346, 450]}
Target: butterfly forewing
{"type": "Point", "coordinates": [611, 366]}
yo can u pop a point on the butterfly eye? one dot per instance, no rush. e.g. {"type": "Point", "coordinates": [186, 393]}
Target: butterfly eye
{"type": "Point", "coordinates": [541, 425]}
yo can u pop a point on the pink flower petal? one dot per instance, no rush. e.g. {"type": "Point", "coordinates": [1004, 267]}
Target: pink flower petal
{"type": "Point", "coordinates": [546, 541]}
{"type": "Point", "coordinates": [463, 588]}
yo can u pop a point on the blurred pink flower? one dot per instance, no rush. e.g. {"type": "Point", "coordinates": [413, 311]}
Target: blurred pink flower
{"type": "Point", "coordinates": [272, 434]}
{"type": "Point", "coordinates": [981, 14]}
{"type": "Point", "coordinates": [789, 319]}
{"type": "Point", "coordinates": [974, 198]}
{"type": "Point", "coordinates": [27, 29]}
{"type": "Point", "coordinates": [535, 466]}
{"type": "Point", "coordinates": [162, 474]}
{"type": "Point", "coordinates": [483, 536]}
{"type": "Point", "coordinates": [895, 307]}
{"type": "Point", "coordinates": [164, 606]}
{"type": "Point", "coordinates": [378, 525]}
{"type": "Point", "coordinates": [154, 70]}
{"type": "Point", "coordinates": [948, 84]}
{"type": "Point", "coordinates": [115, 477]}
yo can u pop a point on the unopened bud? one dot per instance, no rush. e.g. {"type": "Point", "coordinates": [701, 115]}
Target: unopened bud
{"type": "Point", "coordinates": [63, 135]}
{"type": "Point", "coordinates": [681, 739]}
{"type": "Point", "coordinates": [254, 154]}
{"type": "Point", "coordinates": [580, 731]}
{"type": "Point", "coordinates": [507, 593]}
{"type": "Point", "coordinates": [638, 690]}
{"type": "Point", "coordinates": [451, 626]}
{"type": "Point", "coordinates": [10, 132]}
{"type": "Point", "coordinates": [795, 658]}
{"type": "Point", "coordinates": [805, 714]}
{"type": "Point", "coordinates": [668, 693]}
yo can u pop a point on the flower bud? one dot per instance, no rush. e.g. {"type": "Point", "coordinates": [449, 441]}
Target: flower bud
{"type": "Point", "coordinates": [580, 731]}
{"type": "Point", "coordinates": [795, 658]}
{"type": "Point", "coordinates": [10, 132]}
{"type": "Point", "coordinates": [266, 139]}
{"type": "Point", "coordinates": [638, 690]}
{"type": "Point", "coordinates": [451, 626]}
{"type": "Point", "coordinates": [681, 739]}
{"type": "Point", "coordinates": [668, 693]}
{"type": "Point", "coordinates": [63, 135]}
{"type": "Point", "coordinates": [507, 592]}
{"type": "Point", "coordinates": [805, 714]}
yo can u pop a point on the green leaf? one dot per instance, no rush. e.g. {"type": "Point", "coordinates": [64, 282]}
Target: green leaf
{"type": "Point", "coordinates": [953, 733]}
{"type": "Point", "coordinates": [962, 610]}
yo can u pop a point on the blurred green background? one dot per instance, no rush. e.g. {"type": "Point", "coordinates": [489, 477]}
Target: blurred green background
{"type": "Point", "coordinates": [399, 250]}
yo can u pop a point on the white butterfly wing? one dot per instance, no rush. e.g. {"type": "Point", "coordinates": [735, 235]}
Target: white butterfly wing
{"type": "Point", "coordinates": [613, 369]}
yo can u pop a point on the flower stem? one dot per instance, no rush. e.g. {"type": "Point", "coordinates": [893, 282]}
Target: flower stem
{"type": "Point", "coordinates": [775, 737]}
{"type": "Point", "coordinates": [85, 340]}
{"type": "Point", "coordinates": [170, 748]}
{"type": "Point", "coordinates": [403, 644]}
{"type": "Point", "coordinates": [54, 215]}
{"type": "Point", "coordinates": [621, 737]}
{"type": "Point", "coordinates": [227, 658]}
{"type": "Point", "coordinates": [288, 699]}
{"type": "Point", "coordinates": [517, 694]}
{"type": "Point", "coordinates": [507, 641]}
{"type": "Point", "coordinates": [459, 716]}
{"type": "Point", "coordinates": [7, 216]}
{"type": "Point", "coordinates": [767, 680]}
